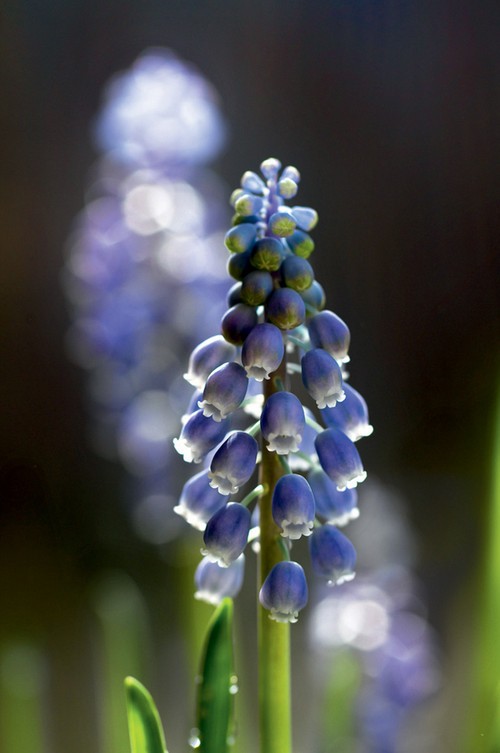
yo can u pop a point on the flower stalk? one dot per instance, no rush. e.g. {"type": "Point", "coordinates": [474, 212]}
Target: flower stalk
{"type": "Point", "coordinates": [273, 636]}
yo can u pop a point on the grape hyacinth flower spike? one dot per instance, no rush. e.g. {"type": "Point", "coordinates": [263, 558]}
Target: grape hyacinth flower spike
{"type": "Point", "coordinates": [276, 336]}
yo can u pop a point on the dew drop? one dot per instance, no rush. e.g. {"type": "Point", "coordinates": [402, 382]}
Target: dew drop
{"type": "Point", "coordinates": [194, 738]}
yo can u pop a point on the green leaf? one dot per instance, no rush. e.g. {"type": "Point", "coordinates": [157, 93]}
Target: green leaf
{"type": "Point", "coordinates": [144, 725]}
{"type": "Point", "coordinates": [215, 701]}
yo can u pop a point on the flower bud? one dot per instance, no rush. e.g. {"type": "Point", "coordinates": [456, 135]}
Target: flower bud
{"type": "Point", "coordinates": [305, 217]}
{"type": "Point", "coordinates": [267, 253]}
{"type": "Point", "coordinates": [240, 238]}
{"type": "Point", "coordinates": [256, 286]}
{"type": "Point", "coordinates": [237, 322]}
{"type": "Point", "coordinates": [297, 273]}
{"type": "Point", "coordinates": [282, 223]}
{"type": "Point", "coordinates": [285, 308]}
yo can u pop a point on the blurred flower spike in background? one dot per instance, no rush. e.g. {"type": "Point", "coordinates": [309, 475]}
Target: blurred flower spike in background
{"type": "Point", "coordinates": [274, 329]}
{"type": "Point", "coordinates": [150, 231]}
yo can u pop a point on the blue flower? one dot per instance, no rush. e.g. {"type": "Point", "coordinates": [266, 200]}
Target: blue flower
{"type": "Point", "coordinates": [284, 591]}
{"type": "Point", "coordinates": [334, 506]}
{"type": "Point", "coordinates": [214, 583]}
{"type": "Point", "coordinates": [328, 331]}
{"type": "Point", "coordinates": [322, 378]}
{"type": "Point", "coordinates": [207, 356]}
{"type": "Point", "coordinates": [339, 458]}
{"type": "Point", "coordinates": [224, 391]}
{"type": "Point", "coordinates": [351, 417]}
{"type": "Point", "coordinates": [293, 506]}
{"type": "Point", "coordinates": [332, 555]}
{"type": "Point", "coordinates": [233, 463]}
{"type": "Point", "coordinates": [198, 436]}
{"type": "Point", "coordinates": [199, 501]}
{"type": "Point", "coordinates": [282, 422]}
{"type": "Point", "coordinates": [226, 534]}
{"type": "Point", "coordinates": [262, 351]}
{"type": "Point", "coordinates": [161, 112]}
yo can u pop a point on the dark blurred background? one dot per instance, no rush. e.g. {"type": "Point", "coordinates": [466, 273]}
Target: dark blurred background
{"type": "Point", "coordinates": [391, 111]}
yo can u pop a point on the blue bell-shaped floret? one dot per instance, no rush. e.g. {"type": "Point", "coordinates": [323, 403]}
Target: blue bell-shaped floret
{"type": "Point", "coordinates": [282, 422]}
{"type": "Point", "coordinates": [332, 555]}
{"type": "Point", "coordinates": [335, 507]}
{"type": "Point", "coordinates": [233, 463]}
{"type": "Point", "coordinates": [284, 591]}
{"type": "Point", "coordinates": [293, 506]}
{"type": "Point", "coordinates": [351, 416]}
{"type": "Point", "coordinates": [199, 435]}
{"type": "Point", "coordinates": [206, 357]}
{"type": "Point", "coordinates": [198, 501]}
{"type": "Point", "coordinates": [262, 351]}
{"type": "Point", "coordinates": [226, 534]}
{"type": "Point", "coordinates": [225, 390]}
{"type": "Point", "coordinates": [339, 458]}
{"type": "Point", "coordinates": [214, 583]}
{"type": "Point", "coordinates": [322, 378]}
{"type": "Point", "coordinates": [328, 331]}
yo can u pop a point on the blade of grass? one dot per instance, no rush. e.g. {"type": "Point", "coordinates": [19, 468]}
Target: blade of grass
{"type": "Point", "coordinates": [215, 701]}
{"type": "Point", "coordinates": [144, 725]}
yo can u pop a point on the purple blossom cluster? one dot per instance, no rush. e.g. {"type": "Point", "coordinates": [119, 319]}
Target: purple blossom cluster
{"type": "Point", "coordinates": [276, 325]}
{"type": "Point", "coordinates": [381, 619]}
{"type": "Point", "coordinates": [150, 231]}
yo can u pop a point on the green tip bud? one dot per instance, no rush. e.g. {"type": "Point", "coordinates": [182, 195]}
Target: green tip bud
{"type": "Point", "coordinates": [282, 224]}
{"type": "Point", "coordinates": [239, 238]}
{"type": "Point", "coordinates": [301, 244]}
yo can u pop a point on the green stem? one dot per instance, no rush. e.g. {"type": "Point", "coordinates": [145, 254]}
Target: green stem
{"type": "Point", "coordinates": [274, 637]}
{"type": "Point", "coordinates": [260, 489]}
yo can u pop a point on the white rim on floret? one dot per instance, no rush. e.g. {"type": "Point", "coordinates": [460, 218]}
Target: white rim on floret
{"type": "Point", "coordinates": [217, 558]}
{"type": "Point", "coordinates": [280, 616]}
{"type": "Point", "coordinates": [259, 373]}
{"type": "Point", "coordinates": [359, 431]}
{"type": "Point", "coordinates": [191, 454]}
{"type": "Point", "coordinates": [342, 519]}
{"type": "Point", "coordinates": [193, 518]}
{"type": "Point", "coordinates": [282, 444]}
{"type": "Point", "coordinates": [352, 482]}
{"type": "Point", "coordinates": [331, 399]}
{"type": "Point", "coordinates": [211, 410]}
{"type": "Point", "coordinates": [343, 578]}
{"type": "Point", "coordinates": [223, 484]}
{"type": "Point", "coordinates": [294, 529]}
{"type": "Point", "coordinates": [208, 596]}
